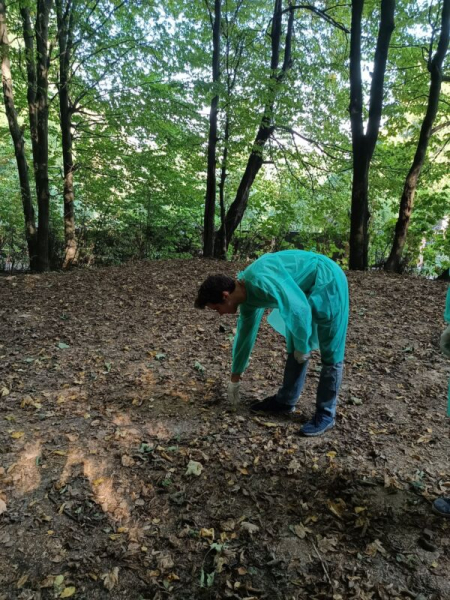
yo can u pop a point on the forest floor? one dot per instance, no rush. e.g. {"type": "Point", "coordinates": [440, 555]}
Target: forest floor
{"type": "Point", "coordinates": [124, 474]}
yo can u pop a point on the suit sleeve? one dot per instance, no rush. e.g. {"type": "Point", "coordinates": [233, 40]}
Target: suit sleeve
{"type": "Point", "coordinates": [447, 307]}
{"type": "Point", "coordinates": [247, 330]}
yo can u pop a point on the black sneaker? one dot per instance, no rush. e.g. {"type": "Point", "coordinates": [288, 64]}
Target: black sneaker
{"type": "Point", "coordinates": [270, 405]}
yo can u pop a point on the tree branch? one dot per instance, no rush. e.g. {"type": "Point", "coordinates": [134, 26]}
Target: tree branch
{"type": "Point", "coordinates": [311, 141]}
{"type": "Point", "coordinates": [320, 13]}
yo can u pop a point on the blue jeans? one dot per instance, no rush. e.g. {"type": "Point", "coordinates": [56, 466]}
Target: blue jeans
{"type": "Point", "coordinates": [327, 391]}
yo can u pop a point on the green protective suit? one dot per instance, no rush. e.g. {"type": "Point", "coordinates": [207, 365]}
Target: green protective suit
{"type": "Point", "coordinates": [309, 295]}
{"type": "Point", "coordinates": [447, 307]}
{"type": "Point", "coordinates": [447, 318]}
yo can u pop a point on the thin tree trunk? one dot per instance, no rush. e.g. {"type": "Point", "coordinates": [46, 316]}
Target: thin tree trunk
{"type": "Point", "coordinates": [18, 141]}
{"type": "Point", "coordinates": [223, 177]}
{"type": "Point", "coordinates": [37, 63]}
{"type": "Point", "coordinates": [231, 75]}
{"type": "Point", "coordinates": [393, 263]}
{"type": "Point", "coordinates": [210, 200]}
{"type": "Point", "coordinates": [65, 15]}
{"type": "Point", "coordinates": [28, 37]}
{"type": "Point", "coordinates": [42, 185]}
{"type": "Point", "coordinates": [363, 144]}
{"type": "Point", "coordinates": [255, 160]}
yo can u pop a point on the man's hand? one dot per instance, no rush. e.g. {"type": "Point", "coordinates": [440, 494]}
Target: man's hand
{"type": "Point", "coordinates": [445, 342]}
{"type": "Point", "coordinates": [233, 393]}
{"type": "Point", "coordinates": [300, 357]}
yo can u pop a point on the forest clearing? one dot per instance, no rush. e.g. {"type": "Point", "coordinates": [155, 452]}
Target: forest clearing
{"type": "Point", "coordinates": [124, 474]}
{"type": "Point", "coordinates": [144, 146]}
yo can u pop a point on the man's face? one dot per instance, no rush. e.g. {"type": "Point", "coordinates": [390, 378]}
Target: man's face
{"type": "Point", "coordinates": [227, 307]}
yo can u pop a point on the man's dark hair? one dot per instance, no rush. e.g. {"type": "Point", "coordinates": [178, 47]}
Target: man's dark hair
{"type": "Point", "coordinates": [211, 290]}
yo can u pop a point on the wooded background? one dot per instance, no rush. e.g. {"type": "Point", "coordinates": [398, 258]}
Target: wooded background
{"type": "Point", "coordinates": [139, 129]}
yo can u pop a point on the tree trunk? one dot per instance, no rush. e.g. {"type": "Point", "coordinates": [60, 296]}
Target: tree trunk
{"type": "Point", "coordinates": [28, 37]}
{"type": "Point", "coordinates": [393, 263]}
{"type": "Point", "coordinates": [65, 40]}
{"type": "Point", "coordinates": [42, 186]}
{"type": "Point", "coordinates": [255, 160]}
{"type": "Point", "coordinates": [363, 144]}
{"type": "Point", "coordinates": [210, 200]}
{"type": "Point", "coordinates": [18, 141]}
{"type": "Point", "coordinates": [223, 177]}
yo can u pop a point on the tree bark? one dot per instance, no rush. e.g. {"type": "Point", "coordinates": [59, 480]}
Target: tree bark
{"type": "Point", "coordinates": [18, 141]}
{"type": "Point", "coordinates": [223, 176]}
{"type": "Point", "coordinates": [210, 200]}
{"type": "Point", "coordinates": [37, 63]}
{"type": "Point", "coordinates": [42, 185]}
{"type": "Point", "coordinates": [28, 37]}
{"type": "Point", "coordinates": [255, 160]}
{"type": "Point", "coordinates": [393, 263]}
{"type": "Point", "coordinates": [363, 144]}
{"type": "Point", "coordinates": [65, 14]}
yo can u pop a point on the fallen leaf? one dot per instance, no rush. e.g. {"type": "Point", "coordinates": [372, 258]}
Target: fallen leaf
{"type": "Point", "coordinates": [294, 466]}
{"type": "Point", "coordinates": [355, 400]}
{"type": "Point", "coordinates": [249, 527]}
{"type": "Point", "coordinates": [300, 530]}
{"type": "Point", "coordinates": [68, 592]}
{"type": "Point", "coordinates": [111, 579]}
{"type": "Point", "coordinates": [194, 468]}
{"type": "Point", "coordinates": [154, 573]}
{"type": "Point", "coordinates": [22, 581]}
{"type": "Point", "coordinates": [338, 507]}
{"type": "Point", "coordinates": [2, 506]}
{"type": "Point", "coordinates": [327, 544]}
{"type": "Point", "coordinates": [17, 434]}
{"type": "Point", "coordinates": [207, 533]}
{"type": "Point", "coordinates": [48, 582]}
{"type": "Point", "coordinates": [374, 547]}
{"type": "Point", "coordinates": [199, 367]}
{"type": "Point", "coordinates": [424, 439]}
{"type": "Point", "coordinates": [165, 562]}
{"type": "Point", "coordinates": [228, 525]}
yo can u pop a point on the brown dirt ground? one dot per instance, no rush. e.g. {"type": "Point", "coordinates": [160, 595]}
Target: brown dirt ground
{"type": "Point", "coordinates": [111, 383]}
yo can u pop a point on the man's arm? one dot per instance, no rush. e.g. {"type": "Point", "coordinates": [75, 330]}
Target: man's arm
{"type": "Point", "coordinates": [247, 330]}
{"type": "Point", "coordinates": [445, 337]}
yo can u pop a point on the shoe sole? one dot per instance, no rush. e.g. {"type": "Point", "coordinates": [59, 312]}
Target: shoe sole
{"type": "Point", "coordinates": [318, 433]}
{"type": "Point", "coordinates": [440, 514]}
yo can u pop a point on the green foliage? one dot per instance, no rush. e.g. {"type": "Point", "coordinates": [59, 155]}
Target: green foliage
{"type": "Point", "coordinates": [140, 89]}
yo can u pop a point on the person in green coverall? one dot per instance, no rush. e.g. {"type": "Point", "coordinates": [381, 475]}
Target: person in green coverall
{"type": "Point", "coordinates": [441, 506]}
{"type": "Point", "coordinates": [308, 295]}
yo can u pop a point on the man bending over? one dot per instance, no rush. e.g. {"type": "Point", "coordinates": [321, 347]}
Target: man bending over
{"type": "Point", "coordinates": [308, 293]}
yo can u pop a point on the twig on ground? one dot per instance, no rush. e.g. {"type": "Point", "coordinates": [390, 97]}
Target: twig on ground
{"type": "Point", "coordinates": [325, 570]}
